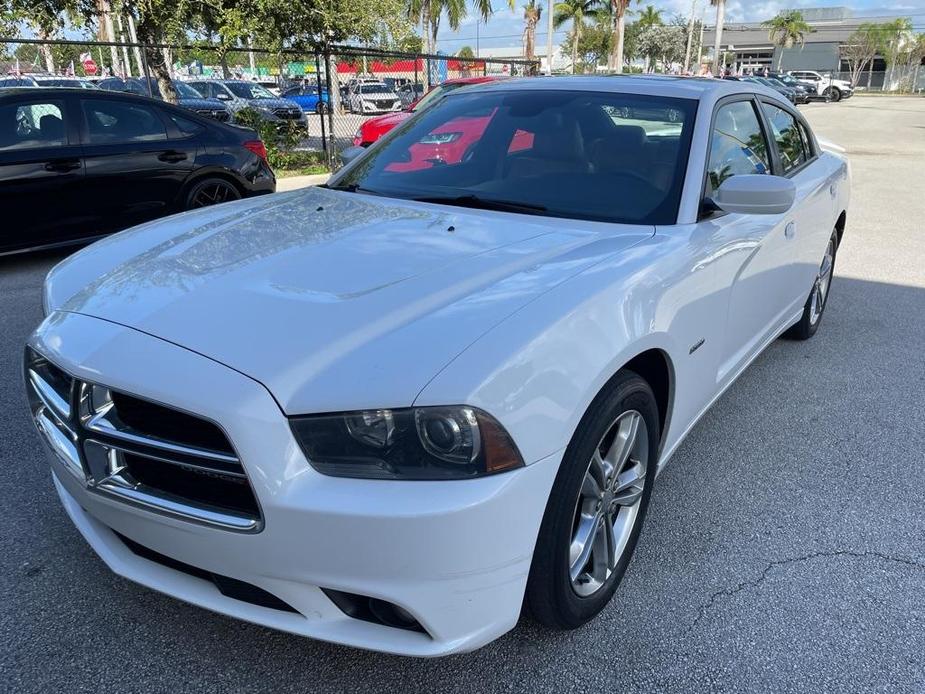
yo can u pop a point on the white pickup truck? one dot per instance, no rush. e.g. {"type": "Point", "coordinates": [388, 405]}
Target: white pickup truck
{"type": "Point", "coordinates": [836, 90]}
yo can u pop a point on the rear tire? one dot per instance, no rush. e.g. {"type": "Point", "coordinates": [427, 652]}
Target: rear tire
{"type": "Point", "coordinates": [572, 581]}
{"type": "Point", "coordinates": [818, 298]}
{"type": "Point", "coordinates": [211, 191]}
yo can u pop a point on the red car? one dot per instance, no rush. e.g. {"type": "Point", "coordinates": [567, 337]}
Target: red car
{"type": "Point", "coordinates": [375, 128]}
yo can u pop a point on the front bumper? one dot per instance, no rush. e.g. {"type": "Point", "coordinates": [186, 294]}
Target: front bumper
{"type": "Point", "coordinates": [455, 555]}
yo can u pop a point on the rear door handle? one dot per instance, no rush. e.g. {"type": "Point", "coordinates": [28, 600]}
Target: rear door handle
{"type": "Point", "coordinates": [62, 165]}
{"type": "Point", "coordinates": [790, 230]}
{"type": "Point", "coordinates": [172, 156]}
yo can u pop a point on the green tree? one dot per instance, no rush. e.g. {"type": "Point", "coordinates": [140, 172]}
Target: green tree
{"type": "Point", "coordinates": [649, 17]}
{"type": "Point", "coordinates": [892, 37]}
{"type": "Point", "coordinates": [860, 49]}
{"type": "Point", "coordinates": [786, 29]}
{"type": "Point", "coordinates": [574, 11]}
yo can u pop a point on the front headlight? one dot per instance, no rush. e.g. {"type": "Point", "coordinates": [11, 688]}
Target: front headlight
{"type": "Point", "coordinates": [421, 443]}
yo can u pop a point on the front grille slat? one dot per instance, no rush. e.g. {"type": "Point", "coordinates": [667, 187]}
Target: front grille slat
{"type": "Point", "coordinates": [142, 452]}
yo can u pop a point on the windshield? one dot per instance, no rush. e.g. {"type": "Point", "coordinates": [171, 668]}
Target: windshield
{"type": "Point", "coordinates": [578, 154]}
{"type": "Point", "coordinates": [373, 88]}
{"type": "Point", "coordinates": [434, 95]}
{"type": "Point", "coordinates": [243, 90]}
{"type": "Point", "coordinates": [184, 91]}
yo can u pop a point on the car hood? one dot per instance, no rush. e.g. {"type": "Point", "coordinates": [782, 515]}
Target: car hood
{"type": "Point", "coordinates": [386, 122]}
{"type": "Point", "coordinates": [271, 103]}
{"type": "Point", "coordinates": [332, 300]}
{"type": "Point", "coordinates": [213, 104]}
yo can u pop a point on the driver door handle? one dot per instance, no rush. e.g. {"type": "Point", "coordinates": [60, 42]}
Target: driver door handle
{"type": "Point", "coordinates": [790, 230]}
{"type": "Point", "coordinates": [62, 165]}
{"type": "Point", "coordinates": [172, 156]}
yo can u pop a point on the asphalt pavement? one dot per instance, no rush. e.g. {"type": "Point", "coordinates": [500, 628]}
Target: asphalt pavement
{"type": "Point", "coordinates": [784, 549]}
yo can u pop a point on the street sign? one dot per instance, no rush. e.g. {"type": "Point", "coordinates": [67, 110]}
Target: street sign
{"type": "Point", "coordinates": [89, 66]}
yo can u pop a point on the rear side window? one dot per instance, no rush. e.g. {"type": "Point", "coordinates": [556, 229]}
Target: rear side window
{"type": "Point", "coordinates": [787, 136]}
{"type": "Point", "coordinates": [111, 122]}
{"type": "Point", "coordinates": [738, 145]}
{"type": "Point", "coordinates": [32, 125]}
{"type": "Point", "coordinates": [185, 125]}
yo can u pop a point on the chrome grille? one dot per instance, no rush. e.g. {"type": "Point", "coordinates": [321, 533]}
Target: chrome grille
{"type": "Point", "coordinates": [288, 114]}
{"type": "Point", "coordinates": [139, 451]}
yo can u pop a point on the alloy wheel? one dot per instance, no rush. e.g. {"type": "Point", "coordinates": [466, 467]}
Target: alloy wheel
{"type": "Point", "coordinates": [213, 193]}
{"type": "Point", "coordinates": [821, 286]}
{"type": "Point", "coordinates": [608, 503]}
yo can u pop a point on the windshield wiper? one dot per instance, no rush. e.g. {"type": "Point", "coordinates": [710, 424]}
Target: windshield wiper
{"type": "Point", "coordinates": [477, 203]}
{"type": "Point", "coordinates": [351, 188]}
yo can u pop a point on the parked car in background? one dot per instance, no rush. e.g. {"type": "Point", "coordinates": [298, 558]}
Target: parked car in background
{"type": "Point", "coordinates": [241, 94]}
{"type": "Point", "coordinates": [373, 97]}
{"type": "Point", "coordinates": [807, 89]}
{"type": "Point", "coordinates": [789, 94]}
{"type": "Point", "coordinates": [835, 89]}
{"type": "Point", "coordinates": [187, 97]}
{"type": "Point", "coordinates": [307, 98]}
{"type": "Point", "coordinates": [409, 93]}
{"type": "Point", "coordinates": [73, 82]}
{"type": "Point", "coordinates": [374, 128]}
{"type": "Point", "coordinates": [22, 81]}
{"type": "Point", "coordinates": [395, 411]}
{"type": "Point", "coordinates": [78, 164]}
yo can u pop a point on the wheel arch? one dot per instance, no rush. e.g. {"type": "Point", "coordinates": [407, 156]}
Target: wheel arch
{"type": "Point", "coordinates": [840, 225]}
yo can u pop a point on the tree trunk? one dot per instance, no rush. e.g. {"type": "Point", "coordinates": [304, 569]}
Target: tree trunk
{"type": "Point", "coordinates": [149, 34]}
{"type": "Point", "coordinates": [133, 37]}
{"type": "Point", "coordinates": [223, 61]}
{"type": "Point", "coordinates": [575, 40]}
{"type": "Point", "coordinates": [106, 11]}
{"type": "Point", "coordinates": [621, 30]}
{"type": "Point", "coordinates": [870, 73]}
{"type": "Point", "coordinates": [690, 37]}
{"type": "Point", "coordinates": [780, 59]}
{"type": "Point", "coordinates": [720, 17]}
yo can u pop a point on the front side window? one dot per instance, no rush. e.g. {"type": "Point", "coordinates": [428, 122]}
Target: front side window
{"type": "Point", "coordinates": [737, 145]}
{"type": "Point", "coordinates": [110, 122]}
{"type": "Point", "coordinates": [34, 125]}
{"type": "Point", "coordinates": [577, 154]}
{"type": "Point", "coordinates": [790, 146]}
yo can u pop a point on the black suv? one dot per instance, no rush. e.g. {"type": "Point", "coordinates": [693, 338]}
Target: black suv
{"type": "Point", "coordinates": [187, 97]}
{"type": "Point", "coordinates": [80, 163]}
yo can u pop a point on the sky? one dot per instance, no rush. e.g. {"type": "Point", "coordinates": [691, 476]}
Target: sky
{"type": "Point", "coordinates": [505, 27]}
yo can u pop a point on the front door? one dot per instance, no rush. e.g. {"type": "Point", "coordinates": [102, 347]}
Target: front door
{"type": "Point", "coordinates": [756, 251]}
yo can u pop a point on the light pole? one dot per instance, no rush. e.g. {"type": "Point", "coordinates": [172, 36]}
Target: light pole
{"type": "Point", "coordinates": [549, 37]}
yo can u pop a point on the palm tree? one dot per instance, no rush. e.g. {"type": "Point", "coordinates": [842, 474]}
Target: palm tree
{"type": "Point", "coordinates": [892, 36]}
{"type": "Point", "coordinates": [574, 11]}
{"type": "Point", "coordinates": [649, 17]}
{"type": "Point", "coordinates": [618, 10]}
{"type": "Point", "coordinates": [720, 18]}
{"type": "Point", "coordinates": [532, 13]}
{"type": "Point", "coordinates": [786, 29]}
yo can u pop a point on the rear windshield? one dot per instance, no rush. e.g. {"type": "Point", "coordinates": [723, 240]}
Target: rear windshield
{"type": "Point", "coordinates": [577, 154]}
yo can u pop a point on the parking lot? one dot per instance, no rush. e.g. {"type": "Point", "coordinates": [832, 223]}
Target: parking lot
{"type": "Point", "coordinates": [784, 549]}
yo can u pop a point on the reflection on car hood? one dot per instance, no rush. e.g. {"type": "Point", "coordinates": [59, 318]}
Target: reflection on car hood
{"type": "Point", "coordinates": [272, 103]}
{"type": "Point", "coordinates": [332, 300]}
{"type": "Point", "coordinates": [388, 121]}
{"type": "Point", "coordinates": [212, 104]}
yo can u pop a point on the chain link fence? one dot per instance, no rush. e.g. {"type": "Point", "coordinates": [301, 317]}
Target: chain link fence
{"type": "Point", "coordinates": [309, 105]}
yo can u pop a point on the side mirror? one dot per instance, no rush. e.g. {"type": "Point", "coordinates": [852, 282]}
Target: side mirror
{"type": "Point", "coordinates": [755, 194]}
{"type": "Point", "coordinates": [351, 153]}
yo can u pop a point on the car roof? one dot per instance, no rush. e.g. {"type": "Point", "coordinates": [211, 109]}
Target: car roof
{"type": "Point", "coordinates": [699, 88]}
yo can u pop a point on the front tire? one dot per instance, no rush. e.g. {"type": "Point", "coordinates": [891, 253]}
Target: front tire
{"type": "Point", "coordinates": [815, 305]}
{"type": "Point", "coordinates": [835, 94]}
{"type": "Point", "coordinates": [597, 506]}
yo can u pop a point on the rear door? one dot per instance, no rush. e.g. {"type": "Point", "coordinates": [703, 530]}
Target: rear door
{"type": "Point", "coordinates": [136, 166]}
{"type": "Point", "coordinates": [40, 172]}
{"type": "Point", "coordinates": [812, 216]}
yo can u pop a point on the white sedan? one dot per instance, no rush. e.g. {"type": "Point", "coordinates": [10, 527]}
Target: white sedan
{"type": "Point", "coordinates": [384, 412]}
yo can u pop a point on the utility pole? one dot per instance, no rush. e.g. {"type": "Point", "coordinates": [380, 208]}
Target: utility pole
{"type": "Point", "coordinates": [477, 22]}
{"type": "Point", "coordinates": [700, 42]}
{"type": "Point", "coordinates": [690, 37]}
{"type": "Point", "coordinates": [549, 37]}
